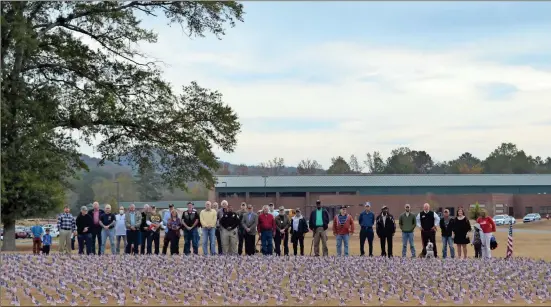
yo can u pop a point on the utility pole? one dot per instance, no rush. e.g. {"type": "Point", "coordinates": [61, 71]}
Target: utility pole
{"type": "Point", "coordinates": [265, 177]}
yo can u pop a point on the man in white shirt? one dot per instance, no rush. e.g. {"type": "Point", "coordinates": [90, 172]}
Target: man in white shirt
{"type": "Point", "coordinates": [428, 221]}
{"type": "Point", "coordinates": [120, 230]}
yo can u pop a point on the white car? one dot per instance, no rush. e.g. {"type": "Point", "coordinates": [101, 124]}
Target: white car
{"type": "Point", "coordinates": [532, 217]}
{"type": "Point", "coordinates": [503, 219]}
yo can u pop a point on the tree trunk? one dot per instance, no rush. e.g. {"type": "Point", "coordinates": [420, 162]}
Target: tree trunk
{"type": "Point", "coordinates": [8, 244]}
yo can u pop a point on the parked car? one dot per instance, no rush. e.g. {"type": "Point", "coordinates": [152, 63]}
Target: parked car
{"type": "Point", "coordinates": [531, 217]}
{"type": "Point", "coordinates": [21, 234]}
{"type": "Point", "coordinates": [503, 219]}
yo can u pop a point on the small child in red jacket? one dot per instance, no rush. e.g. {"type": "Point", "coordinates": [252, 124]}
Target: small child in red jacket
{"type": "Point", "coordinates": [488, 227]}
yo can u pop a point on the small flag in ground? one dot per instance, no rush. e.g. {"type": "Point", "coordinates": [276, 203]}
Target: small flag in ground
{"type": "Point", "coordinates": [509, 253]}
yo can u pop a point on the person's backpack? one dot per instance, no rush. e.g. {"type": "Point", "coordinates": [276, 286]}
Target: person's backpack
{"type": "Point", "coordinates": [476, 238]}
{"type": "Point", "coordinates": [493, 243]}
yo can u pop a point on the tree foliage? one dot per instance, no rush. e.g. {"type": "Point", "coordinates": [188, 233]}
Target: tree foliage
{"type": "Point", "coordinates": [273, 167]}
{"type": "Point", "coordinates": [474, 212]}
{"type": "Point", "coordinates": [76, 66]}
{"type": "Point", "coordinates": [339, 166]}
{"type": "Point", "coordinates": [355, 166]}
{"type": "Point", "coordinates": [308, 167]}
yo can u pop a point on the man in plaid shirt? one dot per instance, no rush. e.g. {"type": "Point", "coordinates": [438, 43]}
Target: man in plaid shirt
{"type": "Point", "coordinates": [66, 225]}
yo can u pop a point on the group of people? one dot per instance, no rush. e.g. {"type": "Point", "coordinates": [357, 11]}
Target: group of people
{"type": "Point", "coordinates": [225, 231]}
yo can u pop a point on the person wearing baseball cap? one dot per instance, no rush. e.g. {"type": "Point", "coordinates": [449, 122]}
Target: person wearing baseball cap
{"type": "Point", "coordinates": [282, 232]}
{"type": "Point", "coordinates": [366, 221]}
{"type": "Point", "coordinates": [385, 228]}
{"type": "Point", "coordinates": [166, 217]}
{"type": "Point", "coordinates": [319, 222]}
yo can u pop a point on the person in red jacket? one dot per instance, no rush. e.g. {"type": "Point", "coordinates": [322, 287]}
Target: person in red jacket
{"type": "Point", "coordinates": [488, 227]}
{"type": "Point", "coordinates": [266, 229]}
{"type": "Point", "coordinates": [343, 228]}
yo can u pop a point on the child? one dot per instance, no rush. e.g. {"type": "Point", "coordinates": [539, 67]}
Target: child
{"type": "Point", "coordinates": [477, 241]}
{"type": "Point", "coordinates": [46, 242]}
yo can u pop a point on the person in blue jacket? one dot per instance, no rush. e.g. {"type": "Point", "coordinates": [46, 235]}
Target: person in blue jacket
{"type": "Point", "coordinates": [366, 221]}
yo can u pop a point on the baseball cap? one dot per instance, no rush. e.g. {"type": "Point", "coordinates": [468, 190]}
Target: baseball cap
{"type": "Point", "coordinates": [384, 207]}
{"type": "Point", "coordinates": [367, 204]}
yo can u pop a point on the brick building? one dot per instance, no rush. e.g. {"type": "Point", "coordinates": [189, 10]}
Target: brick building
{"type": "Point", "coordinates": [515, 195]}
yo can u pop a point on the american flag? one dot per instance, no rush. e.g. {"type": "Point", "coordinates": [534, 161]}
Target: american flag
{"type": "Point", "coordinates": [509, 253]}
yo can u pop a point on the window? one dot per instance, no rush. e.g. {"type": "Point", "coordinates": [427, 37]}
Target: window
{"type": "Point", "coordinates": [545, 210]}
{"type": "Point", "coordinates": [529, 210]}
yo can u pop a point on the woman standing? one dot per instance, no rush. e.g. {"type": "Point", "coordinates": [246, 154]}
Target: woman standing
{"type": "Point", "coordinates": [174, 225]}
{"type": "Point", "coordinates": [461, 229]}
{"type": "Point", "coordinates": [488, 227]}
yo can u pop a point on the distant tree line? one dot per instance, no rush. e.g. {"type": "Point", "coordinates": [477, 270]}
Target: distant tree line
{"type": "Point", "coordinates": [505, 159]}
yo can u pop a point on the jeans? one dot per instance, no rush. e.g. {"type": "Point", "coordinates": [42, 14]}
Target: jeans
{"type": "Point", "coordinates": [119, 237]}
{"type": "Point", "coordinates": [342, 239]}
{"type": "Point", "coordinates": [366, 233]}
{"type": "Point", "coordinates": [209, 238]}
{"type": "Point", "coordinates": [266, 237]}
{"type": "Point", "coordinates": [132, 241]}
{"type": "Point", "coordinates": [191, 237]}
{"type": "Point", "coordinates": [486, 239]}
{"type": "Point", "coordinates": [445, 242]}
{"type": "Point", "coordinates": [408, 237]}
{"type": "Point", "coordinates": [153, 238]}
{"type": "Point", "coordinates": [85, 241]}
{"type": "Point", "coordinates": [108, 233]}
{"type": "Point", "coordinates": [96, 235]}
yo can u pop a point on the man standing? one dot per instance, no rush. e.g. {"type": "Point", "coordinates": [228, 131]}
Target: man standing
{"type": "Point", "coordinates": [319, 222]}
{"type": "Point", "coordinates": [229, 223]}
{"type": "Point", "coordinates": [446, 226]}
{"type": "Point", "coordinates": [407, 225]}
{"type": "Point", "coordinates": [120, 230]}
{"type": "Point", "coordinates": [190, 221]}
{"type": "Point", "coordinates": [298, 229]}
{"type": "Point", "coordinates": [219, 213]}
{"type": "Point", "coordinates": [249, 222]}
{"type": "Point", "coordinates": [166, 217]}
{"type": "Point", "coordinates": [144, 228]}
{"type": "Point", "coordinates": [282, 232]}
{"type": "Point", "coordinates": [428, 221]}
{"type": "Point", "coordinates": [155, 223]}
{"type": "Point", "coordinates": [207, 218]}
{"type": "Point", "coordinates": [132, 220]}
{"type": "Point", "coordinates": [95, 231]}
{"type": "Point", "coordinates": [84, 223]}
{"type": "Point", "coordinates": [266, 228]}
{"type": "Point", "coordinates": [343, 227]}
{"type": "Point", "coordinates": [273, 211]}
{"type": "Point", "coordinates": [66, 225]}
{"type": "Point", "coordinates": [366, 221]}
{"type": "Point", "coordinates": [37, 232]}
{"type": "Point", "coordinates": [107, 221]}
{"type": "Point", "coordinates": [385, 227]}
{"type": "Point", "coordinates": [241, 232]}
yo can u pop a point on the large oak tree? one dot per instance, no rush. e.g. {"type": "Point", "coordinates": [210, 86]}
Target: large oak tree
{"type": "Point", "coordinates": [55, 81]}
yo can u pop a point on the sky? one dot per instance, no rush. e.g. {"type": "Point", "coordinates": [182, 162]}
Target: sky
{"type": "Point", "coordinates": [322, 79]}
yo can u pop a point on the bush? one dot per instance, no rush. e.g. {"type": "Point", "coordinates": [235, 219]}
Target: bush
{"type": "Point", "coordinates": [474, 212]}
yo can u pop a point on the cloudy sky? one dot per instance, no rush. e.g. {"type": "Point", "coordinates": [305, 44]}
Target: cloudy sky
{"type": "Point", "coordinates": [321, 79]}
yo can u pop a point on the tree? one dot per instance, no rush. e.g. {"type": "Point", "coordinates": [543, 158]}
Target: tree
{"type": "Point", "coordinates": [406, 161]}
{"type": "Point", "coordinates": [273, 167]}
{"type": "Point", "coordinates": [308, 167]}
{"type": "Point", "coordinates": [374, 163]}
{"type": "Point", "coordinates": [507, 159]}
{"type": "Point", "coordinates": [75, 66]}
{"type": "Point", "coordinates": [466, 164]}
{"type": "Point", "coordinates": [242, 170]}
{"type": "Point", "coordinates": [339, 166]}
{"type": "Point", "coordinates": [474, 212]}
{"type": "Point", "coordinates": [149, 185]}
{"type": "Point", "coordinates": [224, 170]}
{"type": "Point", "coordinates": [355, 165]}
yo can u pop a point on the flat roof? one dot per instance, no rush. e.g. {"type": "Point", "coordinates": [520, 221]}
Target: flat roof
{"type": "Point", "coordinates": [369, 180]}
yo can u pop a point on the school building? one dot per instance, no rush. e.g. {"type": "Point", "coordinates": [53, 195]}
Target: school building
{"type": "Point", "coordinates": [515, 195]}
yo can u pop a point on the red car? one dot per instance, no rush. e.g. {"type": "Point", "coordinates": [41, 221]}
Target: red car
{"type": "Point", "coordinates": [21, 235]}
